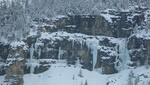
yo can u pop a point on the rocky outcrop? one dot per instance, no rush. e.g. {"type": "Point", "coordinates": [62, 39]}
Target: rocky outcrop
{"type": "Point", "coordinates": [15, 63]}
{"type": "Point", "coordinates": [139, 48]}
{"type": "Point", "coordinates": [108, 56]}
{"type": "Point", "coordinates": [4, 51]}
{"type": "Point", "coordinates": [93, 41]}
{"type": "Point", "coordinates": [110, 23]}
{"type": "Point", "coordinates": [87, 24]}
{"type": "Point", "coordinates": [92, 51]}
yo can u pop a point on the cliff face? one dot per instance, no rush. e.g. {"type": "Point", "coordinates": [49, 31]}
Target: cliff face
{"type": "Point", "coordinates": [139, 49]}
{"type": "Point", "coordinates": [15, 62]}
{"type": "Point", "coordinates": [107, 42]}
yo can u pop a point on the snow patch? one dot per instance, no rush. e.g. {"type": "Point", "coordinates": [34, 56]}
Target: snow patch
{"type": "Point", "coordinates": [109, 17]}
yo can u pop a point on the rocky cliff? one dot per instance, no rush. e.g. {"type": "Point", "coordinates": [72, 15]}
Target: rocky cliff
{"type": "Point", "coordinates": [112, 41]}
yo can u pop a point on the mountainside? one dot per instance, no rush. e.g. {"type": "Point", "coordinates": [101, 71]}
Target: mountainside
{"type": "Point", "coordinates": [109, 47]}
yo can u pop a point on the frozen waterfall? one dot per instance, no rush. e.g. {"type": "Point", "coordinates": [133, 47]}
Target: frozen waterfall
{"type": "Point", "coordinates": [124, 53]}
{"type": "Point", "coordinates": [93, 45]}
{"type": "Point", "coordinates": [31, 59]}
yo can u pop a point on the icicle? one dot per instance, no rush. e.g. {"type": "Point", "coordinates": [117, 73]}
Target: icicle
{"type": "Point", "coordinates": [73, 43]}
{"type": "Point", "coordinates": [81, 43]}
{"type": "Point", "coordinates": [39, 52]}
{"type": "Point", "coordinates": [94, 52]}
{"type": "Point", "coordinates": [93, 44]}
{"type": "Point", "coordinates": [59, 53]}
{"type": "Point", "coordinates": [31, 59]}
{"type": "Point", "coordinates": [117, 60]}
{"type": "Point", "coordinates": [124, 53]}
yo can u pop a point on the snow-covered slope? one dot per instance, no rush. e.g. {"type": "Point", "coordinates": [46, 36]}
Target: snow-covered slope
{"type": "Point", "coordinates": [61, 74]}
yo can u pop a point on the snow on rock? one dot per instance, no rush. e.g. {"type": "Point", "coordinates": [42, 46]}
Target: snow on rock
{"type": "Point", "coordinates": [92, 42]}
{"type": "Point", "coordinates": [108, 50]}
{"type": "Point", "coordinates": [145, 34]}
{"type": "Point", "coordinates": [58, 17]}
{"type": "Point", "coordinates": [75, 36]}
{"type": "Point", "coordinates": [16, 44]}
{"type": "Point", "coordinates": [109, 17]}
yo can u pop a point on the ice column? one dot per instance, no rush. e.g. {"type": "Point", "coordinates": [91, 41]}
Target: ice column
{"type": "Point", "coordinates": [124, 53]}
{"type": "Point", "coordinates": [31, 59]}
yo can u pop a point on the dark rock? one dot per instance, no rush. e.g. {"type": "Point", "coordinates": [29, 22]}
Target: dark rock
{"type": "Point", "coordinates": [15, 64]}
{"type": "Point", "coordinates": [2, 70]}
{"type": "Point", "coordinates": [4, 51]}
{"type": "Point", "coordinates": [139, 50]}
{"type": "Point", "coordinates": [41, 68]}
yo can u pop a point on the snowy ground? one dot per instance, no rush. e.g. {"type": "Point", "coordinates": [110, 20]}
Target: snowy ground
{"type": "Point", "coordinates": [61, 74]}
{"type": "Point", "coordinates": [1, 80]}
